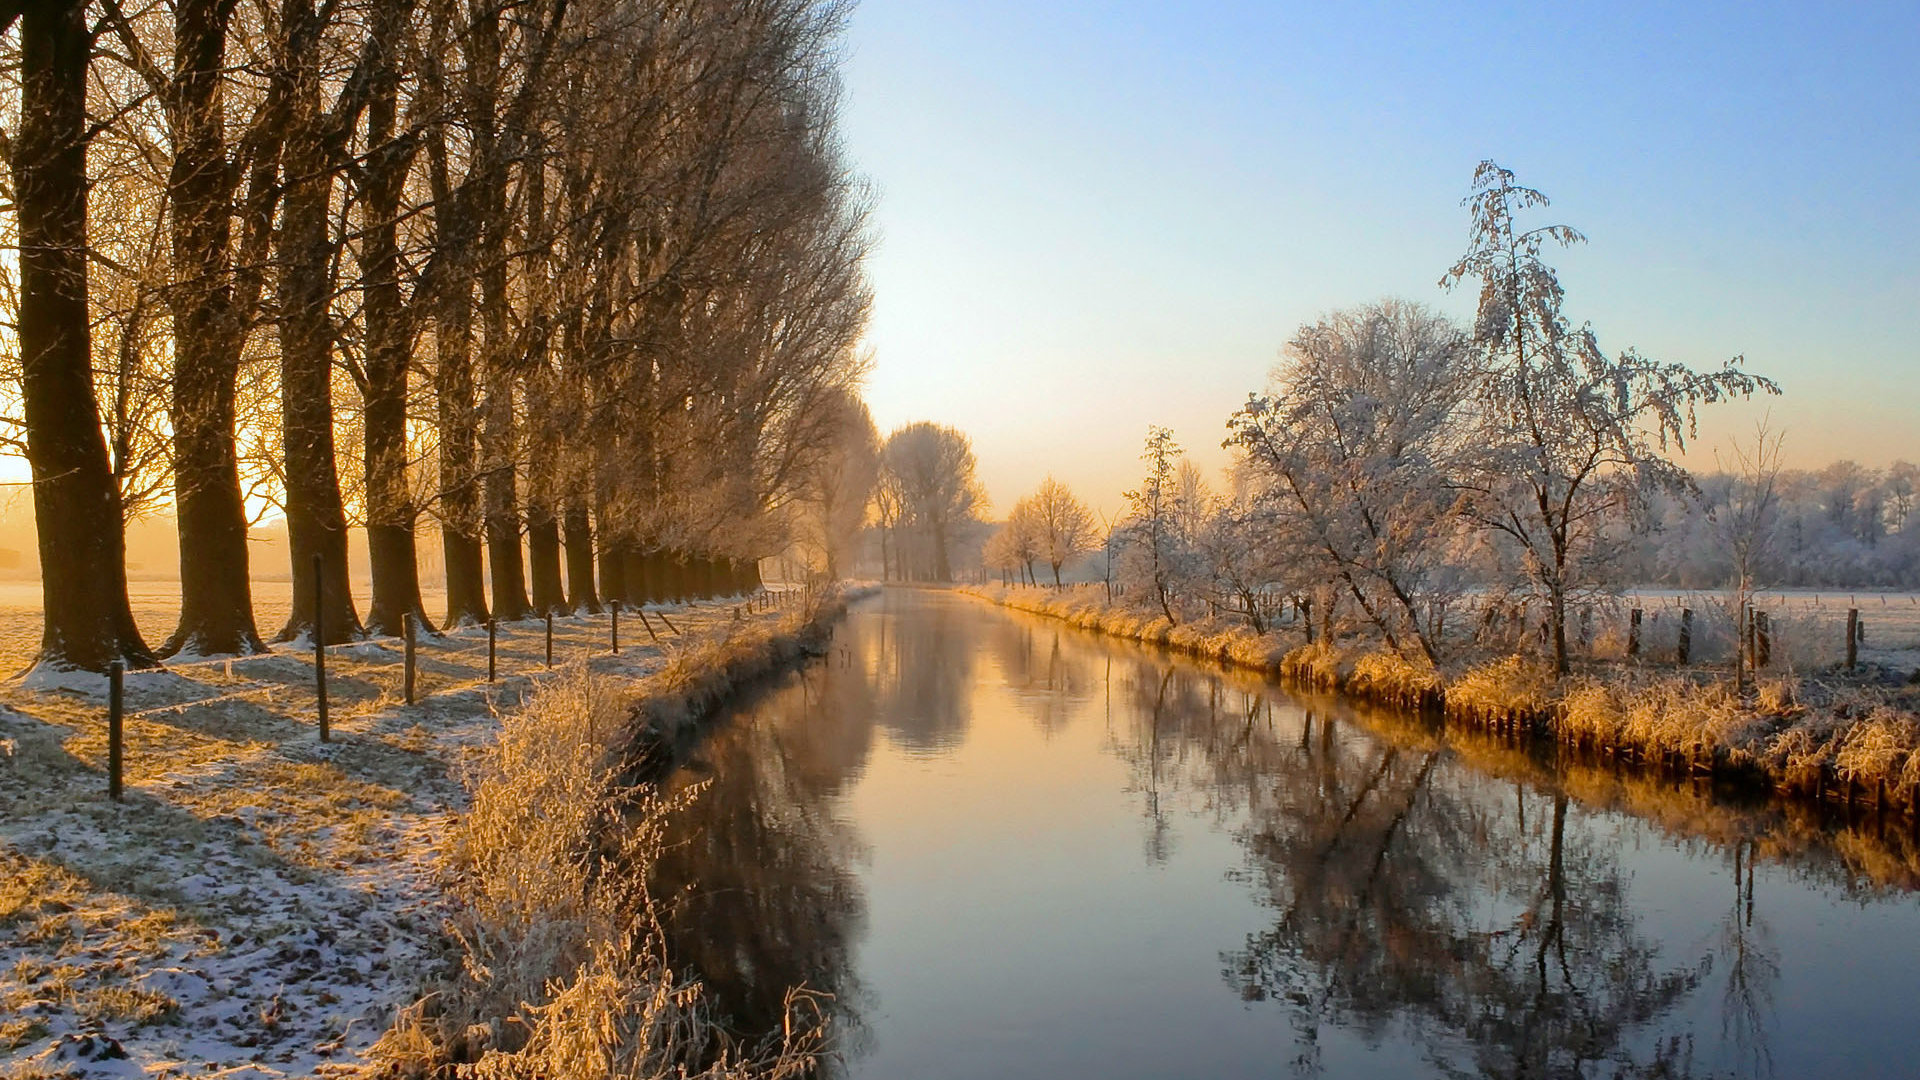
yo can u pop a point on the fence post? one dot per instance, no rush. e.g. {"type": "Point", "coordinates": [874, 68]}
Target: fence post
{"type": "Point", "coordinates": [1685, 648]}
{"type": "Point", "coordinates": [116, 731]}
{"type": "Point", "coordinates": [1633, 634]}
{"type": "Point", "coordinates": [492, 633]}
{"type": "Point", "coordinates": [407, 623]}
{"type": "Point", "coordinates": [615, 608]}
{"type": "Point", "coordinates": [1853, 637]}
{"type": "Point", "coordinates": [1762, 641]}
{"type": "Point", "coordinates": [549, 639]}
{"type": "Point", "coordinates": [320, 644]}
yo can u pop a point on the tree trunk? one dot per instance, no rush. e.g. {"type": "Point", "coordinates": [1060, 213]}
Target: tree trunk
{"type": "Point", "coordinates": [652, 585]}
{"type": "Point", "coordinates": [83, 579]}
{"type": "Point", "coordinates": [942, 569]}
{"type": "Point", "coordinates": [316, 519]}
{"type": "Point", "coordinates": [459, 505]}
{"type": "Point", "coordinates": [497, 443]}
{"type": "Point", "coordinates": [216, 609]}
{"type": "Point", "coordinates": [391, 513]}
{"type": "Point", "coordinates": [633, 569]}
{"type": "Point", "coordinates": [578, 527]}
{"type": "Point", "coordinates": [543, 519]}
{"type": "Point", "coordinates": [543, 556]}
{"type": "Point", "coordinates": [1557, 616]}
{"type": "Point", "coordinates": [613, 567]}
{"type": "Point", "coordinates": [614, 586]}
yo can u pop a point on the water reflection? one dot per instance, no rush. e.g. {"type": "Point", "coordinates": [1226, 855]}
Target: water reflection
{"type": "Point", "coordinates": [757, 882]}
{"type": "Point", "coordinates": [1381, 898]}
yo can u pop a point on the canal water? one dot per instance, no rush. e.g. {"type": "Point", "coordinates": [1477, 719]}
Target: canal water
{"type": "Point", "coordinates": [1000, 847]}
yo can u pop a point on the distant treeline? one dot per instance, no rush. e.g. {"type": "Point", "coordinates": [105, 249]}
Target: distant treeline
{"type": "Point", "coordinates": [1842, 526]}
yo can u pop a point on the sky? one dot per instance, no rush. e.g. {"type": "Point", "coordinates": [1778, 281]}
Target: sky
{"type": "Point", "coordinates": [1092, 217]}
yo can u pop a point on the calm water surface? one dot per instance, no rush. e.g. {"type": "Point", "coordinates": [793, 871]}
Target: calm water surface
{"type": "Point", "coordinates": [1011, 849]}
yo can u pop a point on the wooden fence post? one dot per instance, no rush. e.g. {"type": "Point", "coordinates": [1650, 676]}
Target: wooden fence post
{"type": "Point", "coordinates": [116, 730]}
{"type": "Point", "coordinates": [407, 624]}
{"type": "Point", "coordinates": [549, 639]}
{"type": "Point", "coordinates": [493, 629]}
{"type": "Point", "coordinates": [1685, 648]}
{"type": "Point", "coordinates": [320, 644]}
{"type": "Point", "coordinates": [615, 609]}
{"type": "Point", "coordinates": [1853, 637]}
{"type": "Point", "coordinates": [1633, 634]}
{"type": "Point", "coordinates": [1762, 641]}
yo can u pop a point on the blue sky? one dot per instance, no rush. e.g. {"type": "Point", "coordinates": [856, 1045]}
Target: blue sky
{"type": "Point", "coordinates": [1093, 217]}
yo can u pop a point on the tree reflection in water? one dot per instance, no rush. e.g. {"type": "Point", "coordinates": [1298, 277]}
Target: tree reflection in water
{"type": "Point", "coordinates": [1429, 887]}
{"type": "Point", "coordinates": [757, 883]}
{"type": "Point", "coordinates": [1496, 931]}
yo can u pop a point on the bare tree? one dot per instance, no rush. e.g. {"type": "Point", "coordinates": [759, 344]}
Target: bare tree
{"type": "Point", "coordinates": [841, 487]}
{"type": "Point", "coordinates": [1745, 523]}
{"type": "Point", "coordinates": [89, 623]}
{"type": "Point", "coordinates": [932, 467]}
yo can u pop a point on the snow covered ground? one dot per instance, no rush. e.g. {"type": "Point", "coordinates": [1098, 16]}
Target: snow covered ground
{"type": "Point", "coordinates": [261, 902]}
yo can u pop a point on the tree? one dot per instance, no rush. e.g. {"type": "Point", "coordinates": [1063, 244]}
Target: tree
{"type": "Point", "coordinates": [1064, 524]}
{"type": "Point", "coordinates": [1745, 523]}
{"type": "Point", "coordinates": [1355, 447]}
{"type": "Point", "coordinates": [1000, 553]}
{"type": "Point", "coordinates": [211, 311]}
{"type": "Point", "coordinates": [841, 486]}
{"type": "Point", "coordinates": [1153, 523]}
{"type": "Point", "coordinates": [1903, 487]}
{"type": "Point", "coordinates": [1570, 440]}
{"type": "Point", "coordinates": [1023, 537]}
{"type": "Point", "coordinates": [932, 467]}
{"type": "Point", "coordinates": [88, 621]}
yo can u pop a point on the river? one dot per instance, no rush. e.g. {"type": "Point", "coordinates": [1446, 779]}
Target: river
{"type": "Point", "coordinates": [1006, 848]}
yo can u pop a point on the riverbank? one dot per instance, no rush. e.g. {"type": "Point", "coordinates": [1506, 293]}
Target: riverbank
{"type": "Point", "coordinates": [1822, 735]}
{"type": "Point", "coordinates": [262, 903]}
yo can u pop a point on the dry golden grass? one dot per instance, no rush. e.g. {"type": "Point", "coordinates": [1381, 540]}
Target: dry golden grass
{"type": "Point", "coordinates": [561, 971]}
{"type": "Point", "coordinates": [1821, 733]}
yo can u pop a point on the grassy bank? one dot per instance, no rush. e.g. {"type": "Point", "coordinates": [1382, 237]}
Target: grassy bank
{"type": "Point", "coordinates": [264, 900]}
{"type": "Point", "coordinates": [1819, 734]}
{"type": "Point", "coordinates": [555, 966]}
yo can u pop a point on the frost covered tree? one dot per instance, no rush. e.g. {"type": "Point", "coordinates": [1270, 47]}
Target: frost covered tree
{"type": "Point", "coordinates": [1569, 439]}
{"type": "Point", "coordinates": [840, 487]}
{"type": "Point", "coordinates": [1354, 449]}
{"type": "Point", "coordinates": [1061, 523]}
{"type": "Point", "coordinates": [1156, 550]}
{"type": "Point", "coordinates": [1024, 537]}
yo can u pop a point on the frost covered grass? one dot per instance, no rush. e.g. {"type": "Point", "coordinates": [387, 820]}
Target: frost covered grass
{"type": "Point", "coordinates": [1816, 731]}
{"type": "Point", "coordinates": [260, 901]}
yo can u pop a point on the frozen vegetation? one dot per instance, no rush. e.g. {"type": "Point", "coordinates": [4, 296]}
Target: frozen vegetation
{"type": "Point", "coordinates": [268, 904]}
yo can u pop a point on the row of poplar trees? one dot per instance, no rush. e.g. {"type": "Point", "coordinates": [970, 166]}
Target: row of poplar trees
{"type": "Point", "coordinates": [566, 282]}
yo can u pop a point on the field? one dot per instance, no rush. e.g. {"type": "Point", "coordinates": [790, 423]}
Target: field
{"type": "Point", "coordinates": [1812, 622]}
